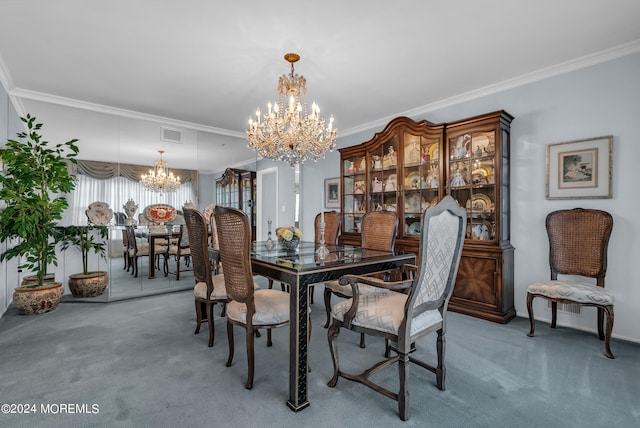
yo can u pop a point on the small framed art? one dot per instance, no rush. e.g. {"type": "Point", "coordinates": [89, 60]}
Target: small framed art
{"type": "Point", "coordinates": [332, 193]}
{"type": "Point", "coordinates": [580, 169]}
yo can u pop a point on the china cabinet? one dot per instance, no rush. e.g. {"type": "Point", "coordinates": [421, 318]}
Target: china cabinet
{"type": "Point", "coordinates": [236, 188]}
{"type": "Point", "coordinates": [410, 165]}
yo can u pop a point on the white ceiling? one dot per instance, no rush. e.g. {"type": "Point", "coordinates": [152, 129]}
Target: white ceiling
{"type": "Point", "coordinates": [208, 64]}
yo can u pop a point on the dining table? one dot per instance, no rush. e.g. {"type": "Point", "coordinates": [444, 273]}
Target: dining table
{"type": "Point", "coordinates": [301, 268]}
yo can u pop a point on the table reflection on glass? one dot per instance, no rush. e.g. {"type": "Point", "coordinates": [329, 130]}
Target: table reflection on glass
{"type": "Point", "coordinates": [301, 268]}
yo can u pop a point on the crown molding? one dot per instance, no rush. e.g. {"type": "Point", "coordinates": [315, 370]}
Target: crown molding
{"type": "Point", "coordinates": [99, 108]}
{"type": "Point", "coordinates": [525, 79]}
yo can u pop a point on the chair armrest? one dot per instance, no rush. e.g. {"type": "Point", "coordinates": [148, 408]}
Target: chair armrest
{"type": "Point", "coordinates": [353, 280]}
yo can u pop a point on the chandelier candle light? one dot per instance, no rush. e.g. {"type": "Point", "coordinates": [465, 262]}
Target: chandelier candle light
{"type": "Point", "coordinates": [160, 179]}
{"type": "Point", "coordinates": [288, 131]}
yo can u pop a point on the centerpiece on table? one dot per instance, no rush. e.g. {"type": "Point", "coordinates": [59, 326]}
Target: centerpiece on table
{"type": "Point", "coordinates": [288, 237]}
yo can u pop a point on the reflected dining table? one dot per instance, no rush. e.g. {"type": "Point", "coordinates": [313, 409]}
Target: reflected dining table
{"type": "Point", "coordinates": [151, 234]}
{"type": "Point", "coordinates": [300, 269]}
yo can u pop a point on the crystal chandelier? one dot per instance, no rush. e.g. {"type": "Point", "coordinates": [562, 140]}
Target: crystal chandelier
{"type": "Point", "coordinates": [159, 178]}
{"type": "Point", "coordinates": [288, 131]}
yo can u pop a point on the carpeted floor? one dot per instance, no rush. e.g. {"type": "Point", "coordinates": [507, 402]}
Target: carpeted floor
{"type": "Point", "coordinates": [137, 363]}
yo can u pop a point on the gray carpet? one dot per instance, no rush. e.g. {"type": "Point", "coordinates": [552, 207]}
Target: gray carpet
{"type": "Point", "coordinates": [137, 363]}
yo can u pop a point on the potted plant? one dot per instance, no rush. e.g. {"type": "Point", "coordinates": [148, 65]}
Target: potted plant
{"type": "Point", "coordinates": [33, 186]}
{"type": "Point", "coordinates": [87, 239]}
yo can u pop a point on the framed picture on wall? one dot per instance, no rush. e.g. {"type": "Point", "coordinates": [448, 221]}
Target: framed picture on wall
{"type": "Point", "coordinates": [332, 193]}
{"type": "Point", "coordinates": [580, 169]}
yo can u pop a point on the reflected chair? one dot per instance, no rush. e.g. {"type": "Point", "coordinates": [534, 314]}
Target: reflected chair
{"type": "Point", "coordinates": [402, 318]}
{"type": "Point", "coordinates": [209, 289]}
{"type": "Point", "coordinates": [379, 229]}
{"type": "Point", "coordinates": [137, 250]}
{"type": "Point", "coordinates": [578, 241]}
{"type": "Point", "coordinates": [248, 308]}
{"type": "Point", "coordinates": [125, 249]}
{"type": "Point", "coordinates": [213, 243]}
{"type": "Point", "coordinates": [179, 249]}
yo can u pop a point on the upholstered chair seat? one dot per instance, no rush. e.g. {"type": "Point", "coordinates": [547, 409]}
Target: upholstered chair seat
{"type": "Point", "coordinates": [579, 292]}
{"type": "Point", "coordinates": [272, 307]}
{"type": "Point", "coordinates": [217, 293]}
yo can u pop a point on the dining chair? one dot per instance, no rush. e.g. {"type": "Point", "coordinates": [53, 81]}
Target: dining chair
{"type": "Point", "coordinates": [248, 308]}
{"type": "Point", "coordinates": [578, 242]}
{"type": "Point", "coordinates": [209, 289]}
{"type": "Point", "coordinates": [179, 249]}
{"type": "Point", "coordinates": [404, 318]}
{"type": "Point", "coordinates": [332, 221]}
{"type": "Point", "coordinates": [378, 232]}
{"type": "Point", "coordinates": [138, 250]}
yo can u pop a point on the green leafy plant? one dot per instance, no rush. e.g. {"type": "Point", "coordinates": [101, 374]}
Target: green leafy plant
{"type": "Point", "coordinates": [84, 239]}
{"type": "Point", "coordinates": [33, 188]}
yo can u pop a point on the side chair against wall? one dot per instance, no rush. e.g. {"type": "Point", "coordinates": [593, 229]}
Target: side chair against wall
{"type": "Point", "coordinates": [578, 242]}
{"type": "Point", "coordinates": [209, 289]}
{"type": "Point", "coordinates": [404, 318]}
{"type": "Point", "coordinates": [179, 249]}
{"type": "Point", "coordinates": [248, 308]}
{"type": "Point", "coordinates": [138, 250]}
{"type": "Point", "coordinates": [379, 229]}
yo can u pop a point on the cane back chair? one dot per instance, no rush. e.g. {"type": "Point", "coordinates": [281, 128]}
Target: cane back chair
{"type": "Point", "coordinates": [578, 242]}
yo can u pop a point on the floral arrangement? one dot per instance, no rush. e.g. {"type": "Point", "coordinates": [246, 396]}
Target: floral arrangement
{"type": "Point", "coordinates": [288, 237]}
{"type": "Point", "coordinates": [288, 233]}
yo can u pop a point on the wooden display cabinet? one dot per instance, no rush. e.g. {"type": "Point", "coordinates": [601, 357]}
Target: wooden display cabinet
{"type": "Point", "coordinates": [236, 188]}
{"type": "Point", "coordinates": [409, 165]}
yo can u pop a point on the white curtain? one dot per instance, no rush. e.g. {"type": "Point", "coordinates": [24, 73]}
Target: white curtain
{"type": "Point", "coordinates": [116, 191]}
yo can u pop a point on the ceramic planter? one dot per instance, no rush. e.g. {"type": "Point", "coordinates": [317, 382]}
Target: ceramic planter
{"type": "Point", "coordinates": [36, 300]}
{"type": "Point", "coordinates": [91, 284]}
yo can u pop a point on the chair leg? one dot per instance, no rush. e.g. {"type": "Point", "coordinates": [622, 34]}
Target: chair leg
{"type": "Point", "coordinates": [609, 328]}
{"type": "Point", "coordinates": [250, 362]}
{"type": "Point", "coordinates": [362, 344]}
{"type": "Point", "coordinates": [332, 335]}
{"type": "Point", "coordinates": [269, 342]}
{"type": "Point", "coordinates": [441, 371]}
{"type": "Point", "coordinates": [210, 323]}
{"type": "Point", "coordinates": [270, 284]}
{"type": "Point", "coordinates": [178, 269]}
{"type": "Point", "coordinates": [198, 317]}
{"type": "Point", "coordinates": [532, 321]}
{"type": "Point", "coordinates": [403, 393]}
{"type": "Point", "coordinates": [230, 339]}
{"type": "Point", "coordinates": [554, 314]}
{"type": "Point", "coordinates": [327, 306]}
{"type": "Point", "coordinates": [600, 323]}
{"type": "Point", "coordinates": [135, 268]}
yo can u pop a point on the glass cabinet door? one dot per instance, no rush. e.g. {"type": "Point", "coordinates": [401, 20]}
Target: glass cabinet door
{"type": "Point", "coordinates": [383, 179]}
{"type": "Point", "coordinates": [472, 181]}
{"type": "Point", "coordinates": [421, 174]}
{"type": "Point", "coordinates": [354, 173]}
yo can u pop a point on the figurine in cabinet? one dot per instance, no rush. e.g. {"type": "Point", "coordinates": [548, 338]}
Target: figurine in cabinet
{"type": "Point", "coordinates": [363, 164]}
{"type": "Point", "coordinates": [377, 162]}
{"type": "Point", "coordinates": [458, 179]}
{"type": "Point", "coordinates": [358, 187]}
{"type": "Point", "coordinates": [390, 158]}
{"type": "Point", "coordinates": [390, 184]}
{"type": "Point", "coordinates": [425, 155]}
{"type": "Point", "coordinates": [377, 185]}
{"type": "Point", "coordinates": [352, 167]}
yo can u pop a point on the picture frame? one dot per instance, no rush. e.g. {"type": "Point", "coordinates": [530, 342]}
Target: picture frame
{"type": "Point", "coordinates": [332, 193]}
{"type": "Point", "coordinates": [580, 169]}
